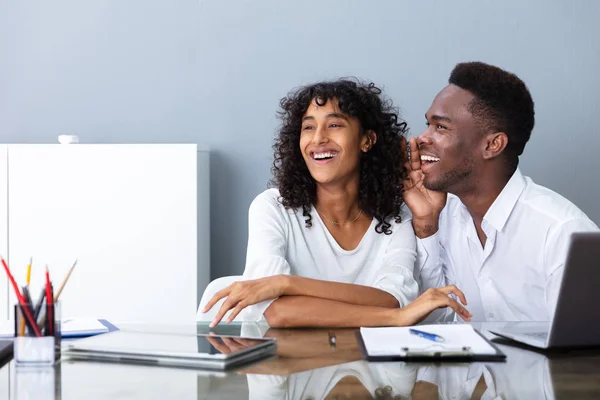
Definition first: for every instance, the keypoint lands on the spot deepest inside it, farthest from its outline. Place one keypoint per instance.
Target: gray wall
(212, 72)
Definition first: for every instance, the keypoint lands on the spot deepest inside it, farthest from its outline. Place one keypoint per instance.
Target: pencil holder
(37, 334)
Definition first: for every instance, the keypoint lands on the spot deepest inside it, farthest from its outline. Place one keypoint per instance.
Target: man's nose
(424, 138)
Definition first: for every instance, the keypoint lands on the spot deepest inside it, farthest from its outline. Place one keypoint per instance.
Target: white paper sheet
(393, 341)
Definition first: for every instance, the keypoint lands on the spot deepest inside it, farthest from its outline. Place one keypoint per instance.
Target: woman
(330, 246)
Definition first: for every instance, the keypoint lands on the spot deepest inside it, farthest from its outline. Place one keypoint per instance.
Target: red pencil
(21, 299)
(49, 305)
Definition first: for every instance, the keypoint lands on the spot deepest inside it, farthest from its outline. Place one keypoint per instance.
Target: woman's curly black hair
(381, 168)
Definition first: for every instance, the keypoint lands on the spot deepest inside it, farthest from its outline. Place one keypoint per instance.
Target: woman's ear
(369, 139)
(495, 144)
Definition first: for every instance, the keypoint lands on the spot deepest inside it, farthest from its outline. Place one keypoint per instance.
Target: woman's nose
(320, 136)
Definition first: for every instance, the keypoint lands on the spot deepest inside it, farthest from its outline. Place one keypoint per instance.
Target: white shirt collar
(500, 210)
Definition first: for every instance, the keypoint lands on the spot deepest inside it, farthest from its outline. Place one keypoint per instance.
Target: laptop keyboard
(537, 335)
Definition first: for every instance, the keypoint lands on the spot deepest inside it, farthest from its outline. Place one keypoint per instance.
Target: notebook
(460, 342)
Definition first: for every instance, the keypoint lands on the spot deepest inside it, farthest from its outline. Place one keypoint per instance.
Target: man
(481, 224)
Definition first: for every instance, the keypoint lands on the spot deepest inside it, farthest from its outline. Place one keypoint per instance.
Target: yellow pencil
(28, 280)
(29, 271)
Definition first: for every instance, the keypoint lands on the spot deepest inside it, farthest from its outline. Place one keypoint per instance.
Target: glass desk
(308, 367)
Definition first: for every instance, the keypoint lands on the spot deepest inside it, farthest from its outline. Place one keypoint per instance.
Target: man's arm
(431, 273)
(425, 226)
(426, 207)
(430, 263)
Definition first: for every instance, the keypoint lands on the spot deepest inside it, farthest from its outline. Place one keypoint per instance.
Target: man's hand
(243, 294)
(425, 205)
(432, 299)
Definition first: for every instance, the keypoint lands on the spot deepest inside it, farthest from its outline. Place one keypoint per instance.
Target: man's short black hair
(502, 103)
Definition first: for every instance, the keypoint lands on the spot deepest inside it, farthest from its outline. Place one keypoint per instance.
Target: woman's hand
(227, 345)
(245, 293)
(429, 301)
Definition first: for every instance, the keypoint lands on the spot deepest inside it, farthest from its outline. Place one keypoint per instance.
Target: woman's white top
(280, 243)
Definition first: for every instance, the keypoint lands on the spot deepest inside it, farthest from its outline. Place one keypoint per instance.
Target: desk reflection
(308, 367)
(40, 383)
(525, 375)
(354, 380)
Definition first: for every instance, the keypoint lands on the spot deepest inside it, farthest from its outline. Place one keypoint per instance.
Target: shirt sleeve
(267, 241)
(396, 276)
(431, 272)
(555, 255)
(429, 269)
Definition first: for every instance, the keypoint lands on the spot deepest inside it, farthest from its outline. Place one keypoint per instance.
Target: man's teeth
(319, 156)
(429, 158)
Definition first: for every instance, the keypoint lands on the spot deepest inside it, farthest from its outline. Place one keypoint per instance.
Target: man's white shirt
(516, 276)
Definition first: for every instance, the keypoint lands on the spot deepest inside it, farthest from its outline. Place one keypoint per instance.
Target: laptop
(216, 352)
(6, 351)
(576, 321)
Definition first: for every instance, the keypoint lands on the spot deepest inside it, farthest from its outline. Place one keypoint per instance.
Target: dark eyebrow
(332, 115)
(337, 115)
(438, 118)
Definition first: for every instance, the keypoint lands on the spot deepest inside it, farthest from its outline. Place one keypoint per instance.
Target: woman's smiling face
(331, 143)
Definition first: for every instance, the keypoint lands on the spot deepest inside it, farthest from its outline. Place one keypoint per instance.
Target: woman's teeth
(320, 156)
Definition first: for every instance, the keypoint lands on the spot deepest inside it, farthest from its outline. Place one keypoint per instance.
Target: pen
(27, 296)
(29, 306)
(332, 340)
(38, 307)
(426, 335)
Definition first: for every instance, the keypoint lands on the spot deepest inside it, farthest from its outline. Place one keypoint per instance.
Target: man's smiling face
(449, 145)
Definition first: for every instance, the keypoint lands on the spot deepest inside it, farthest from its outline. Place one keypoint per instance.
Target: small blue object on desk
(84, 328)
(70, 328)
(426, 335)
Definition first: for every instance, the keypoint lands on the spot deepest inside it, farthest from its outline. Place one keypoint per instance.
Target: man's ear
(495, 143)
(368, 141)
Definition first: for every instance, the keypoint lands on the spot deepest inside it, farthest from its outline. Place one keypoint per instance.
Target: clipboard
(435, 352)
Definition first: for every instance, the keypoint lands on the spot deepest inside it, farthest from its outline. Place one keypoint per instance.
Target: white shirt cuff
(428, 253)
